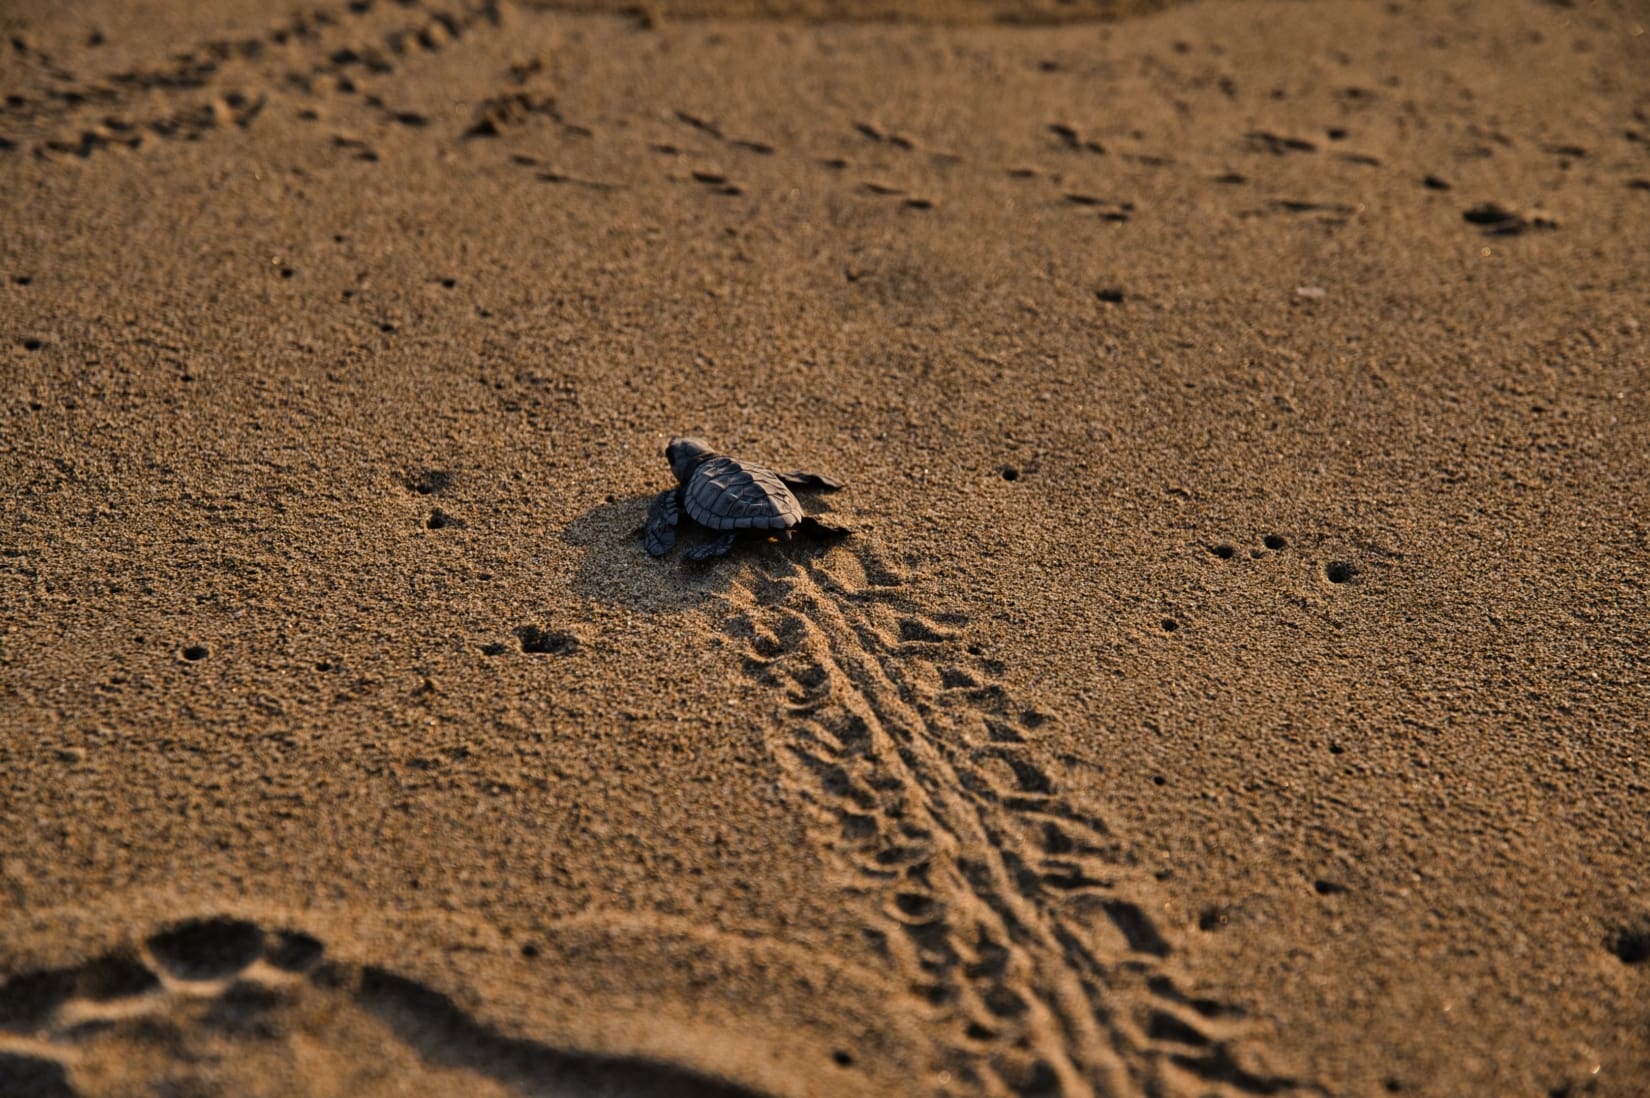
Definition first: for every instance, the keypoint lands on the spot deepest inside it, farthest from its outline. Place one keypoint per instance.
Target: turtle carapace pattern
(728, 496)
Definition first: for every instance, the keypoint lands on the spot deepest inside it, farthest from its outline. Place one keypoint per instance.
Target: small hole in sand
(1010, 473)
(1170, 625)
(1327, 888)
(448, 283)
(1273, 541)
(22, 280)
(1158, 779)
(842, 1058)
(196, 652)
(430, 481)
(287, 272)
(1224, 551)
(1339, 571)
(546, 642)
(1631, 945)
(30, 343)
(914, 904)
(529, 950)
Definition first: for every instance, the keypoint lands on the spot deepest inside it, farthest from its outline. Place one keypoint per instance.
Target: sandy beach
(1235, 681)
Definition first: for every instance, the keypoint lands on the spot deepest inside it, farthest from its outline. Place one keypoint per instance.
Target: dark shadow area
(294, 951)
(444, 1034)
(547, 642)
(29, 999)
(1631, 943)
(207, 949)
(31, 1077)
(617, 571)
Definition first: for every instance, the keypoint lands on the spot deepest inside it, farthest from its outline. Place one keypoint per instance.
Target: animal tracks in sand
(351, 70)
(243, 1006)
(1014, 914)
(212, 991)
(316, 57)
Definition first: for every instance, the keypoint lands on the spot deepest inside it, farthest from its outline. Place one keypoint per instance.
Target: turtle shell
(725, 494)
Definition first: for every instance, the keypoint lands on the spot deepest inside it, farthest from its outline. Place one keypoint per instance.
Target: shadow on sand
(444, 1034)
(617, 571)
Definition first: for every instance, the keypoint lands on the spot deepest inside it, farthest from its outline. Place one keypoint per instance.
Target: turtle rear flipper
(662, 517)
(810, 482)
(714, 548)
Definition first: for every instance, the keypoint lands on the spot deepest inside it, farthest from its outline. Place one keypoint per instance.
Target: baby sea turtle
(727, 495)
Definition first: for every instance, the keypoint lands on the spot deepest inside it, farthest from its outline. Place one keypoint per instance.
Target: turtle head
(686, 455)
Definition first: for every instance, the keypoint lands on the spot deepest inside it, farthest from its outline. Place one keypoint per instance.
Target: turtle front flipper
(810, 482)
(716, 548)
(662, 516)
(821, 531)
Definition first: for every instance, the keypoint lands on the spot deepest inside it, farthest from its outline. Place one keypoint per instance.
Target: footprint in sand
(222, 1006)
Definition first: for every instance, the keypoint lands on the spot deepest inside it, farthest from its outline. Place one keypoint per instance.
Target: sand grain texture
(1235, 682)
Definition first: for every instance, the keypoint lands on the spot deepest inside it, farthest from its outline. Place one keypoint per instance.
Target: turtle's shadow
(616, 570)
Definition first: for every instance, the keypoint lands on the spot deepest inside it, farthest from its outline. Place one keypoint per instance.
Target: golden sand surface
(1236, 681)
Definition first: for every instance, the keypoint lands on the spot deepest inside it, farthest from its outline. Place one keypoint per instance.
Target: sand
(1235, 682)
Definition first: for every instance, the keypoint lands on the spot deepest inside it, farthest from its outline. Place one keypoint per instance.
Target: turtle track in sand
(1013, 913)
